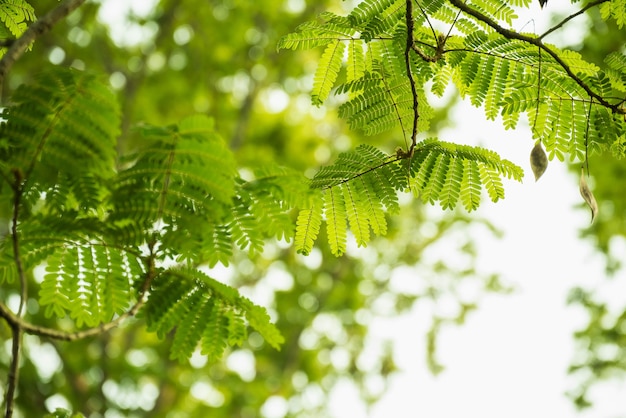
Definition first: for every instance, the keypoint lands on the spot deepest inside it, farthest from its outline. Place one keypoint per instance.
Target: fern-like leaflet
(203, 312)
(507, 73)
(14, 15)
(101, 228)
(362, 185)
(73, 130)
(90, 282)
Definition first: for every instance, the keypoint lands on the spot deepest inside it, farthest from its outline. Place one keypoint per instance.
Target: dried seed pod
(542, 3)
(538, 160)
(586, 193)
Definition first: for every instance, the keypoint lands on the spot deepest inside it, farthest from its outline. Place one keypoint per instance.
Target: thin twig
(16, 322)
(587, 136)
(33, 329)
(17, 203)
(14, 369)
(432, 29)
(509, 34)
(572, 16)
(401, 156)
(452, 26)
(5, 43)
(538, 91)
(388, 90)
(16, 330)
(41, 26)
(409, 73)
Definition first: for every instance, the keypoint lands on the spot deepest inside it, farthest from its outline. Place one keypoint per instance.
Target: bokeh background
(515, 310)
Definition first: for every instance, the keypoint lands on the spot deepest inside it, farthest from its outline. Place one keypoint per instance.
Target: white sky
(510, 358)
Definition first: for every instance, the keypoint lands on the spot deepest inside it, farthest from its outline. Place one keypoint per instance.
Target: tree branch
(33, 329)
(409, 73)
(509, 34)
(41, 26)
(5, 43)
(14, 369)
(572, 16)
(15, 321)
(16, 330)
(17, 202)
(401, 155)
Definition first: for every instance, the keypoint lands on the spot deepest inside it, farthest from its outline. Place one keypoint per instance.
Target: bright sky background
(511, 356)
(510, 359)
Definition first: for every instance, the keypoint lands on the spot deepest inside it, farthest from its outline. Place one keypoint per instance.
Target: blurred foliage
(166, 60)
(601, 342)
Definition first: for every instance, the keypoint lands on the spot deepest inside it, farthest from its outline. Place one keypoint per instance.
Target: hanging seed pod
(538, 160)
(586, 193)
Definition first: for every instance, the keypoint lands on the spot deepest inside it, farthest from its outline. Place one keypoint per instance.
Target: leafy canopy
(105, 227)
(119, 232)
(394, 55)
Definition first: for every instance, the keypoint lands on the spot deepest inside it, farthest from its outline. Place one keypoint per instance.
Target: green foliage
(603, 332)
(327, 71)
(570, 103)
(505, 72)
(89, 281)
(362, 185)
(445, 172)
(200, 311)
(65, 122)
(380, 95)
(182, 173)
(614, 10)
(102, 220)
(14, 14)
(100, 224)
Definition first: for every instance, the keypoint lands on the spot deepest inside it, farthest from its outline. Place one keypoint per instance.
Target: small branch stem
(16, 329)
(17, 259)
(402, 156)
(14, 369)
(538, 91)
(409, 73)
(38, 28)
(533, 40)
(16, 322)
(572, 16)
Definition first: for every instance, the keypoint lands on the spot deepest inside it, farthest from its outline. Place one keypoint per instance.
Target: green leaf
(616, 10)
(89, 281)
(445, 172)
(357, 214)
(14, 14)
(327, 72)
(200, 311)
(335, 211)
(308, 228)
(64, 122)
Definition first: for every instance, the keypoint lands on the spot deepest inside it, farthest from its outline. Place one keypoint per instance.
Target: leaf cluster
(113, 232)
(363, 185)
(14, 15)
(573, 106)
